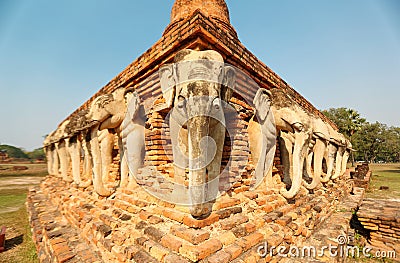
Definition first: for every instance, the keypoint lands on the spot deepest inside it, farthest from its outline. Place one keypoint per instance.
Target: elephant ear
(133, 101)
(168, 83)
(262, 104)
(228, 83)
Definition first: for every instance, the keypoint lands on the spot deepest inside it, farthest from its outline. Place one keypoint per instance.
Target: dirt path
(19, 182)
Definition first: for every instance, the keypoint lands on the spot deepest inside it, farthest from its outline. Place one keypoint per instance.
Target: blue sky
(55, 54)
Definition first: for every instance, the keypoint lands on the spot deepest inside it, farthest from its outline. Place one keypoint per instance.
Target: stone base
(76, 225)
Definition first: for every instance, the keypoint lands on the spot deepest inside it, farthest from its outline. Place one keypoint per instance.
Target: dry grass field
(385, 175)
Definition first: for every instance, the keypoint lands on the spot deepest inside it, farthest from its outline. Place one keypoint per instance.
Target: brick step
(57, 236)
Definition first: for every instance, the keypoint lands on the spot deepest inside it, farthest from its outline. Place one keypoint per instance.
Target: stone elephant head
(108, 109)
(108, 112)
(61, 145)
(262, 136)
(196, 86)
(334, 155)
(317, 152)
(132, 138)
(294, 126)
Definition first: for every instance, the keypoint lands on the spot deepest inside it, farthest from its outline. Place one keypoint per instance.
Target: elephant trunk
(87, 162)
(345, 159)
(338, 167)
(49, 157)
(98, 164)
(330, 161)
(198, 128)
(300, 145)
(64, 160)
(56, 163)
(318, 153)
(74, 148)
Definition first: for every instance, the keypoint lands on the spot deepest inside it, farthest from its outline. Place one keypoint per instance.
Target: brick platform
(75, 225)
(382, 219)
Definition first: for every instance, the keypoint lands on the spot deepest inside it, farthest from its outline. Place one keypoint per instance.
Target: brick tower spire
(215, 10)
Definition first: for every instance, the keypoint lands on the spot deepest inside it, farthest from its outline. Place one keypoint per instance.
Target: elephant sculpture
(62, 152)
(346, 156)
(49, 150)
(331, 146)
(294, 127)
(317, 152)
(342, 156)
(76, 143)
(132, 138)
(52, 155)
(196, 86)
(73, 146)
(334, 155)
(87, 160)
(262, 137)
(109, 112)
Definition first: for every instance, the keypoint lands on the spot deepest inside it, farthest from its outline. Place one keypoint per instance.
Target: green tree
(391, 146)
(371, 141)
(37, 154)
(14, 152)
(348, 121)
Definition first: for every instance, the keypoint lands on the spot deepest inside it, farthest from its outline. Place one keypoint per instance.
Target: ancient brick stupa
(194, 153)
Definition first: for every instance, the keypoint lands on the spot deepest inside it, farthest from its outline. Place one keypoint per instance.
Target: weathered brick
(250, 195)
(141, 225)
(235, 220)
(274, 240)
(158, 252)
(227, 238)
(141, 240)
(192, 235)
(174, 215)
(198, 252)
(219, 257)
(249, 241)
(105, 230)
(144, 215)
(239, 231)
(268, 208)
(130, 251)
(191, 222)
(228, 212)
(154, 233)
(227, 202)
(172, 258)
(283, 221)
(118, 237)
(155, 220)
(171, 242)
(143, 257)
(108, 244)
(118, 252)
(234, 251)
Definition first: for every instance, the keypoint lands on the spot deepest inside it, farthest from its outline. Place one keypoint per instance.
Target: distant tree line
(18, 153)
(373, 142)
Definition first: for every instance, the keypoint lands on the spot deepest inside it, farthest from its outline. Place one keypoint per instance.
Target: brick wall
(381, 218)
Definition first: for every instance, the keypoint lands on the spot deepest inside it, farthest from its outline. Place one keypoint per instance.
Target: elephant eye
(216, 103)
(181, 102)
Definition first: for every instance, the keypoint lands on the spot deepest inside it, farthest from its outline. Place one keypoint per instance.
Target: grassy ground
(384, 175)
(13, 214)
